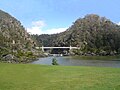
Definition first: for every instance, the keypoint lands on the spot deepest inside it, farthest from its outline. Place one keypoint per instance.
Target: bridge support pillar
(70, 47)
(43, 48)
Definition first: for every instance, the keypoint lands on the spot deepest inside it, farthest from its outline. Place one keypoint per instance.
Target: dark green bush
(54, 61)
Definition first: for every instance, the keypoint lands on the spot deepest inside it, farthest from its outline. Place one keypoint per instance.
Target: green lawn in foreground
(40, 77)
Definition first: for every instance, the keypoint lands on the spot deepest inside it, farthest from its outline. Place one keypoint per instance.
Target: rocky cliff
(15, 43)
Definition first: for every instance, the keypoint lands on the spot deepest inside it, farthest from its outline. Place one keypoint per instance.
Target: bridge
(57, 48)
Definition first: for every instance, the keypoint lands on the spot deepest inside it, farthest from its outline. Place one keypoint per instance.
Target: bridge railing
(55, 47)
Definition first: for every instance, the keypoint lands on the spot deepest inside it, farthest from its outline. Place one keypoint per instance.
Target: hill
(93, 34)
(16, 45)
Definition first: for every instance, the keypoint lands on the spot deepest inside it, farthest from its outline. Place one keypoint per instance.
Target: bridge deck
(59, 47)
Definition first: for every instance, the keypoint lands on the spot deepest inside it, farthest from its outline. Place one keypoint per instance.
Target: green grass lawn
(41, 77)
(96, 57)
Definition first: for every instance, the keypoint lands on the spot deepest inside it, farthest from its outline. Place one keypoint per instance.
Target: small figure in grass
(54, 61)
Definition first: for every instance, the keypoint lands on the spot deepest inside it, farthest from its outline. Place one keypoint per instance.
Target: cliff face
(13, 37)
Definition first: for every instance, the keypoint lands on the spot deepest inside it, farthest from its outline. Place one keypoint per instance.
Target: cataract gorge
(92, 35)
(86, 56)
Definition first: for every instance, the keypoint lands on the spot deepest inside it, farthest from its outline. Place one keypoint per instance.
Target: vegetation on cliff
(93, 34)
(16, 44)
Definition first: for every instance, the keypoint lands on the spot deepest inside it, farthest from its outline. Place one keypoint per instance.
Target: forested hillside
(16, 45)
(94, 35)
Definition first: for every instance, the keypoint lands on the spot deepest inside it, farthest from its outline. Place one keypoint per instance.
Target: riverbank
(116, 57)
(43, 77)
(21, 56)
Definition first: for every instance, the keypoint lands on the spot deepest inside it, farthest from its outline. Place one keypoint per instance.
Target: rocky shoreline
(21, 57)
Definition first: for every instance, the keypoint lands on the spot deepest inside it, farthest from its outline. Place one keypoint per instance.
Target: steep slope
(14, 40)
(93, 34)
(45, 39)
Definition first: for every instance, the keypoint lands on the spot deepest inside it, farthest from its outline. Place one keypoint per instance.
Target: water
(106, 61)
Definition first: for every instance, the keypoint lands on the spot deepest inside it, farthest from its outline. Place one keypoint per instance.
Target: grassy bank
(39, 77)
(117, 57)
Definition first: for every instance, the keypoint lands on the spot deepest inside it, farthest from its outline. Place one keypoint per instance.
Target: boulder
(9, 58)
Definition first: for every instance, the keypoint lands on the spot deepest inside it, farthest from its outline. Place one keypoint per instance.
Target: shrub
(54, 61)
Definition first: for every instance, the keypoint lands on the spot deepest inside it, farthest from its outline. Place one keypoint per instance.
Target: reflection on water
(82, 61)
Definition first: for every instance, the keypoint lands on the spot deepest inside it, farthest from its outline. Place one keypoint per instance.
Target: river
(100, 61)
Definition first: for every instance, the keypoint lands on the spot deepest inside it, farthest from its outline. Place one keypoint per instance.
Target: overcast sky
(53, 16)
